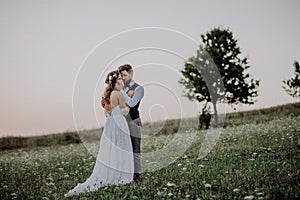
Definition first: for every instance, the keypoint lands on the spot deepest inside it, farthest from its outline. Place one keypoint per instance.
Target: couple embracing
(118, 160)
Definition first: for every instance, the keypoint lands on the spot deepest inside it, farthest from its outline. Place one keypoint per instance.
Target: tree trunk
(216, 113)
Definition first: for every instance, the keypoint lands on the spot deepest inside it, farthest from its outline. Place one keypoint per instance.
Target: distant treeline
(168, 127)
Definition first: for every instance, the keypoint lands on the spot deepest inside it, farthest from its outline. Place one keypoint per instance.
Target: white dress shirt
(137, 96)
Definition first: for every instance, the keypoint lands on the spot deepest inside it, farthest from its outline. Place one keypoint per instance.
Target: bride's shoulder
(116, 94)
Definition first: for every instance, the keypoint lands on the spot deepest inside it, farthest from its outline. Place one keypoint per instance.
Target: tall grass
(250, 161)
(155, 128)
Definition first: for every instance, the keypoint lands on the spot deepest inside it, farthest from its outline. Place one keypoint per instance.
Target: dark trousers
(135, 135)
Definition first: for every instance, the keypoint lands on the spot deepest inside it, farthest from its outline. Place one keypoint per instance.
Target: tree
(217, 74)
(292, 85)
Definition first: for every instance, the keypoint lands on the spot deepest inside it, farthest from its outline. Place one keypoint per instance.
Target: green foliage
(9, 143)
(292, 85)
(228, 82)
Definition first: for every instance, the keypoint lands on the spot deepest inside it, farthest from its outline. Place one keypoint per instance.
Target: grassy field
(155, 128)
(256, 157)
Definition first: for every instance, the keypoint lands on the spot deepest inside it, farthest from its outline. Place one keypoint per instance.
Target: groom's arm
(138, 95)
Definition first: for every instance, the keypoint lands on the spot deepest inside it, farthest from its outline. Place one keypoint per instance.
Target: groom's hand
(107, 113)
(130, 93)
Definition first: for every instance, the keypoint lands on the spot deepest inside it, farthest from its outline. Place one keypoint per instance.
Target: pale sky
(48, 48)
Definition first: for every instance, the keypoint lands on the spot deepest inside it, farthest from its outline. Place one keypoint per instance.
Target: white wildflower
(249, 197)
(170, 184)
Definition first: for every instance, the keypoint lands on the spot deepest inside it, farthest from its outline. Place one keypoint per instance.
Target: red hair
(110, 80)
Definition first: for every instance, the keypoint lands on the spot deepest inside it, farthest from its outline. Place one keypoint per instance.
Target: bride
(114, 164)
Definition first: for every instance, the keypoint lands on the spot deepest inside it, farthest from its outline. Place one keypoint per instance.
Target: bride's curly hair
(110, 80)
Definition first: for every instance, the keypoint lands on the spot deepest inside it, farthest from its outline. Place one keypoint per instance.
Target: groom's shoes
(137, 177)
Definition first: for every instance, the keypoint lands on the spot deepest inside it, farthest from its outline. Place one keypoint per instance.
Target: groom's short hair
(125, 67)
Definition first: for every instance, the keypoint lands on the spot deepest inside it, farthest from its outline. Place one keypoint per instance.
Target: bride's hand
(130, 93)
(125, 111)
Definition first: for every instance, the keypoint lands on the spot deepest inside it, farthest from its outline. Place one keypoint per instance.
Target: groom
(133, 119)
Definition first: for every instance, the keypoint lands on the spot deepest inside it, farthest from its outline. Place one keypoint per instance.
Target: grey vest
(134, 112)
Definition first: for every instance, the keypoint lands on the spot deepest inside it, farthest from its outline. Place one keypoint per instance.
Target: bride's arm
(117, 98)
(121, 99)
(122, 104)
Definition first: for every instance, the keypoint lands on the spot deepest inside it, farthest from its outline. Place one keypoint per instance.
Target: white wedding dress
(114, 164)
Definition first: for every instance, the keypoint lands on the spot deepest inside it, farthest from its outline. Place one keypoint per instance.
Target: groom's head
(126, 72)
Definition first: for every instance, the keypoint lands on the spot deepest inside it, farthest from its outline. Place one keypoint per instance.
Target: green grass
(258, 157)
(155, 128)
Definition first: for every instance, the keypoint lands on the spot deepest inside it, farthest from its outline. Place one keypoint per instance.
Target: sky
(54, 56)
